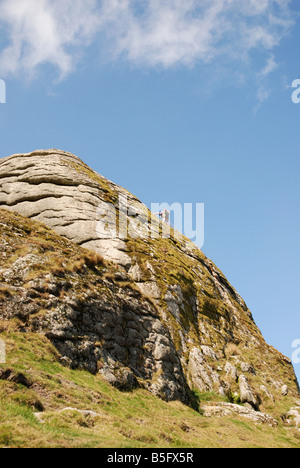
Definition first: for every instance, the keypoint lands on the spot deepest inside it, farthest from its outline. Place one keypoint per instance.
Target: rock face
(58, 189)
(156, 312)
(97, 320)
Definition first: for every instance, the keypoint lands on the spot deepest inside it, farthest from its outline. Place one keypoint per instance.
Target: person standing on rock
(164, 216)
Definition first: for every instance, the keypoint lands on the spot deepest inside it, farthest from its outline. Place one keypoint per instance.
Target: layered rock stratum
(142, 308)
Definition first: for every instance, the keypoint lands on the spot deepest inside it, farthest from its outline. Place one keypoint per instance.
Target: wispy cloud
(45, 31)
(270, 66)
(147, 33)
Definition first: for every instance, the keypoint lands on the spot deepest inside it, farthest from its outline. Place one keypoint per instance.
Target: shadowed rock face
(97, 319)
(187, 328)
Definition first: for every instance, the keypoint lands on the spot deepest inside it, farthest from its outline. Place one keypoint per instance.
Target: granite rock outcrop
(117, 296)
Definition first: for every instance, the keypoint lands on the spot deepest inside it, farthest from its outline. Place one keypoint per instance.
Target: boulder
(246, 393)
(221, 409)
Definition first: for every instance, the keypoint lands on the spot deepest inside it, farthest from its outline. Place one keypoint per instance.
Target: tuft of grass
(232, 350)
(5, 292)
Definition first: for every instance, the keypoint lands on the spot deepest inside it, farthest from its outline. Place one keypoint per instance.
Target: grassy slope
(136, 419)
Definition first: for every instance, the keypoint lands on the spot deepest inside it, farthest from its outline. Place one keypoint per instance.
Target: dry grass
(232, 350)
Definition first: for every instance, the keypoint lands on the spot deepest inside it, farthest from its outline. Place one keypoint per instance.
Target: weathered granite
(162, 316)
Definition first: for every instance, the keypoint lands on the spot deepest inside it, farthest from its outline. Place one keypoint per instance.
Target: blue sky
(182, 101)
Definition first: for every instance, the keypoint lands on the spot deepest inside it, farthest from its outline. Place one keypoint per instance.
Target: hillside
(121, 328)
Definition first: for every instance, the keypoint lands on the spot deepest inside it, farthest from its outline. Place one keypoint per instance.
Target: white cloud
(270, 66)
(263, 83)
(43, 31)
(147, 33)
(167, 33)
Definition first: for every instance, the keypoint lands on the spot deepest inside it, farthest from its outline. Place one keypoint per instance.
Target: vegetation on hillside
(54, 406)
(45, 403)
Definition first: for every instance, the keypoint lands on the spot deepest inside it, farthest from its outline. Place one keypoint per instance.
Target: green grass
(122, 419)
